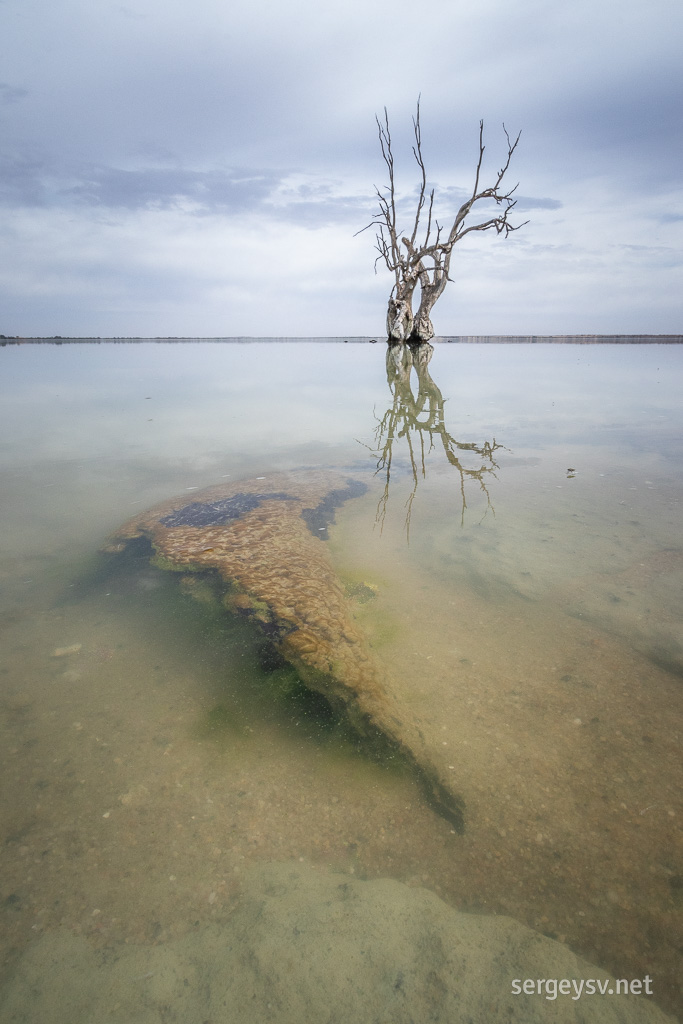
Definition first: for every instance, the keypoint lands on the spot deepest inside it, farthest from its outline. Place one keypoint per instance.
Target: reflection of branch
(420, 419)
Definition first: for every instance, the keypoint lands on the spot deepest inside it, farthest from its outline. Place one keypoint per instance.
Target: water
(517, 567)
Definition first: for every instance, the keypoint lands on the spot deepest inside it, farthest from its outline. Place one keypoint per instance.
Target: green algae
(168, 565)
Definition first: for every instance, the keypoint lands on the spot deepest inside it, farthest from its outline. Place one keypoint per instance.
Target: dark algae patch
(319, 518)
(216, 513)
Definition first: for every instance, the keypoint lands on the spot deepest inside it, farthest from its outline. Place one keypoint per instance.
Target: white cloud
(202, 169)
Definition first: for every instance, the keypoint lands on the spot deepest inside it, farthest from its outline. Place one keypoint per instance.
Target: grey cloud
(11, 94)
(21, 182)
(353, 210)
(25, 182)
(216, 110)
(629, 126)
(163, 188)
(531, 203)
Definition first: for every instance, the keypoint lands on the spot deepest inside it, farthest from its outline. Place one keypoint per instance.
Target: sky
(201, 168)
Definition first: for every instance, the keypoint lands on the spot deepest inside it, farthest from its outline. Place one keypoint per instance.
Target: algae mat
(264, 541)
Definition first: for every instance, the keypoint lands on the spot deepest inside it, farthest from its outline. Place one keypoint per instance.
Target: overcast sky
(199, 167)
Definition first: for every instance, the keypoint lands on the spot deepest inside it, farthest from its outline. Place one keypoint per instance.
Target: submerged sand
(131, 825)
(307, 946)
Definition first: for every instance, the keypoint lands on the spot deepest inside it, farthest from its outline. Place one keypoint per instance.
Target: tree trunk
(423, 329)
(399, 319)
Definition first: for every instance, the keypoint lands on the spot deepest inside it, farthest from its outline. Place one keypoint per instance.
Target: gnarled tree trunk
(399, 319)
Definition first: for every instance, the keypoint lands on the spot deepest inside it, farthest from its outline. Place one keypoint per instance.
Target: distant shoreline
(463, 339)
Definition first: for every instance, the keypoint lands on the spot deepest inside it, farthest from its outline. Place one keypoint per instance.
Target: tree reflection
(420, 420)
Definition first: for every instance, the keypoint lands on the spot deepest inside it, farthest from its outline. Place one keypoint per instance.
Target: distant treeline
(566, 339)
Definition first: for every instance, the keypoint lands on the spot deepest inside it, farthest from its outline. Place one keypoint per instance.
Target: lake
(515, 563)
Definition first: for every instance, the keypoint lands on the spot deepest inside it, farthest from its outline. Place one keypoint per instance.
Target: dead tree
(423, 258)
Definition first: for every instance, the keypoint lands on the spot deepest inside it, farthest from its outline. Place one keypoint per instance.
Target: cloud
(21, 182)
(10, 94)
(530, 203)
(147, 147)
(282, 196)
(164, 188)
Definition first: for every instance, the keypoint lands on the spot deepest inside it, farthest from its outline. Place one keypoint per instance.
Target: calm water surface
(521, 539)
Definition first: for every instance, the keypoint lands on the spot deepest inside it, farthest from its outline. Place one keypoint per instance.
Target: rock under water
(264, 539)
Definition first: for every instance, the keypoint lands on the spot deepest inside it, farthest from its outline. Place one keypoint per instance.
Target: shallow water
(520, 548)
